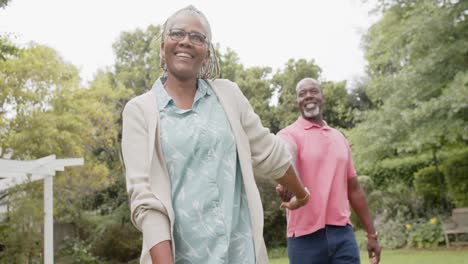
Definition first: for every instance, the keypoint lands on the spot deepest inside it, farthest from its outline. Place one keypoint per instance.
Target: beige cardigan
(148, 183)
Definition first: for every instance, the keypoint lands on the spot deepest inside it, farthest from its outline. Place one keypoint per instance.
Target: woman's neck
(182, 91)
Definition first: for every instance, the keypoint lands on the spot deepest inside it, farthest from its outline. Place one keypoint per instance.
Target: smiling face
(183, 58)
(309, 99)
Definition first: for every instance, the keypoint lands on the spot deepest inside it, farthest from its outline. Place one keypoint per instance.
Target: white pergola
(14, 172)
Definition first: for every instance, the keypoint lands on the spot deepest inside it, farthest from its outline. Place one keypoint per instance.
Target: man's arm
(358, 201)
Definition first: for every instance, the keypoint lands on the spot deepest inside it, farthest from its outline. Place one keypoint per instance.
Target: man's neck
(316, 120)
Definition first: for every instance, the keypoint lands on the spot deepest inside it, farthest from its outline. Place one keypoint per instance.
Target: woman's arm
(161, 253)
(148, 214)
(294, 185)
(270, 156)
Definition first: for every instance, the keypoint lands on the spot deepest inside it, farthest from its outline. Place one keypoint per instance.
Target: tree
(415, 54)
(44, 111)
(284, 82)
(27, 82)
(335, 110)
(4, 3)
(6, 47)
(137, 58)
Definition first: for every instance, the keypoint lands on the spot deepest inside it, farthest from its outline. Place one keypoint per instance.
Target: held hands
(289, 201)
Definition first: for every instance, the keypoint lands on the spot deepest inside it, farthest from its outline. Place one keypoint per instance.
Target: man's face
(309, 99)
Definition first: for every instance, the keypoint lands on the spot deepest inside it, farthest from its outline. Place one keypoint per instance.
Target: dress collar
(164, 99)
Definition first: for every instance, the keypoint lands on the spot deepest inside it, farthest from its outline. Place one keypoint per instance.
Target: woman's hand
(289, 201)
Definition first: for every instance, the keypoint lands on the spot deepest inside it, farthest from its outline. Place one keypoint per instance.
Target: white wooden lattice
(14, 172)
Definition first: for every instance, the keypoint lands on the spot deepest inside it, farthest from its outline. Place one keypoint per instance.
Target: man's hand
(289, 201)
(373, 249)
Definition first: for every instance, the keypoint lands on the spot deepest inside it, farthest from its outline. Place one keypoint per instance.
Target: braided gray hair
(211, 69)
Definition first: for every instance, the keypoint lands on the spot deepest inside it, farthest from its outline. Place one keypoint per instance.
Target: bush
(118, 242)
(426, 184)
(274, 228)
(425, 234)
(76, 251)
(456, 176)
(397, 170)
(393, 234)
(368, 186)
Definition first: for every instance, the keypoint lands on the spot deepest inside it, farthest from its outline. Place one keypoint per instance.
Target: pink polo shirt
(324, 164)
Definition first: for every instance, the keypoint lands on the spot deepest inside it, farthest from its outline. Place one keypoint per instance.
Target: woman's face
(185, 48)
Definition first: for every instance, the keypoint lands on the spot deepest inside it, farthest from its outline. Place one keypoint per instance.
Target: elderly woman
(191, 148)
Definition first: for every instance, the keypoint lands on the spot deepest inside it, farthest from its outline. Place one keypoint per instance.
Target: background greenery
(406, 120)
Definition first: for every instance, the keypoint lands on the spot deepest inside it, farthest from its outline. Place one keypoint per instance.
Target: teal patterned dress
(212, 220)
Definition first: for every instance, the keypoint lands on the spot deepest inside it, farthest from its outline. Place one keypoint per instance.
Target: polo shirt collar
(306, 125)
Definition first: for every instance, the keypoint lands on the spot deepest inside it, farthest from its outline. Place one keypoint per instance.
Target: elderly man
(321, 231)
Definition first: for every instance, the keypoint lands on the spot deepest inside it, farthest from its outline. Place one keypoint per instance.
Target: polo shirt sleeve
(291, 146)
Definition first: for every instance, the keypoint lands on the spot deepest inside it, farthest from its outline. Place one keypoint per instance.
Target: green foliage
(393, 234)
(284, 82)
(4, 3)
(417, 80)
(24, 220)
(398, 202)
(425, 234)
(118, 242)
(76, 251)
(7, 49)
(43, 111)
(369, 189)
(395, 170)
(429, 183)
(456, 176)
(137, 58)
(256, 87)
(274, 228)
(277, 252)
(335, 105)
(229, 64)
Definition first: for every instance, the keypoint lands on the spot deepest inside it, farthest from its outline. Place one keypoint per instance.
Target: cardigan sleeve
(269, 155)
(148, 214)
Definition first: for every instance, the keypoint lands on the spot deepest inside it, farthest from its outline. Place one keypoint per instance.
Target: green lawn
(408, 256)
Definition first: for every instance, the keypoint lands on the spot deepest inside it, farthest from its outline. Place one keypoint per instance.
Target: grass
(454, 255)
(409, 256)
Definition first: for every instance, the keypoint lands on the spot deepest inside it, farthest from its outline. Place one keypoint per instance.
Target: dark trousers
(330, 245)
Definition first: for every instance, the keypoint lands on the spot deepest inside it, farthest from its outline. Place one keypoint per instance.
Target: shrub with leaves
(393, 234)
(77, 251)
(456, 175)
(429, 184)
(425, 234)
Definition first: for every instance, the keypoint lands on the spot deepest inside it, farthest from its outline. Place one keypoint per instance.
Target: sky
(261, 32)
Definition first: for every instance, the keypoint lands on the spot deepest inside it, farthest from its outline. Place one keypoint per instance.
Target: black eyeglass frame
(193, 36)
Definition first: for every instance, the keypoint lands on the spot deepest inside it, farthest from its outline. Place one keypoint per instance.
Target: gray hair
(307, 80)
(211, 70)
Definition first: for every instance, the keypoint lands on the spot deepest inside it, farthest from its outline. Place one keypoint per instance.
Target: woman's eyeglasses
(196, 38)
